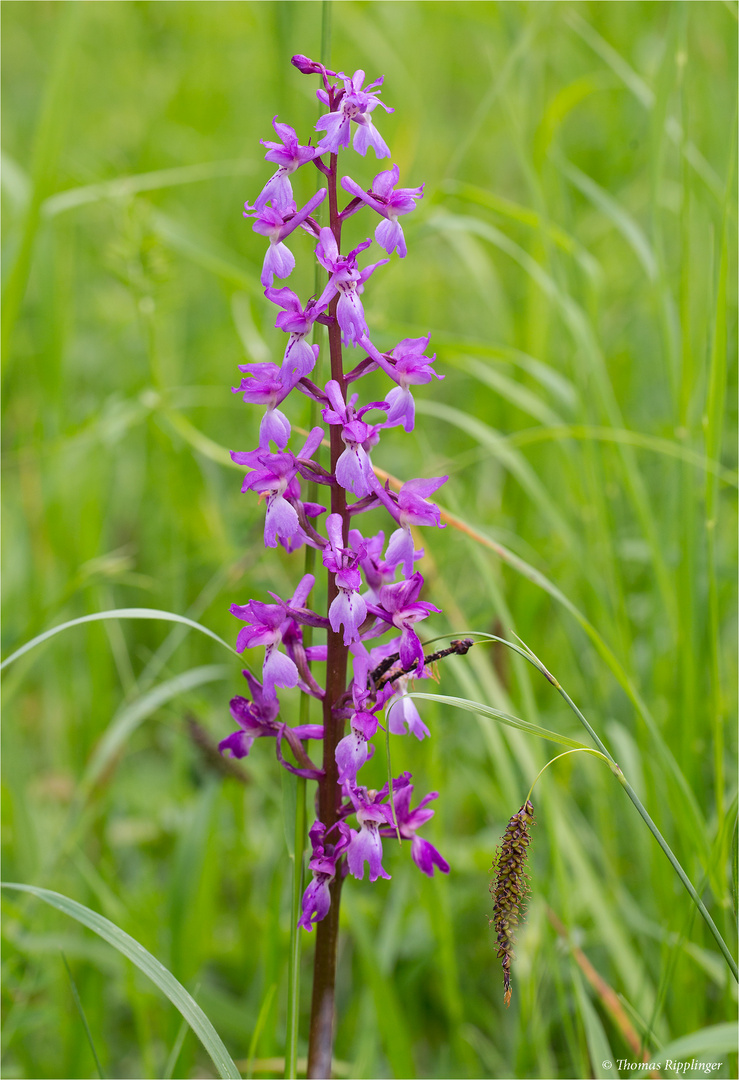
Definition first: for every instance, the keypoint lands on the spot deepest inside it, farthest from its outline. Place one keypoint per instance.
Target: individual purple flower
(365, 846)
(265, 624)
(424, 854)
(275, 476)
(409, 507)
(407, 365)
(348, 608)
(378, 571)
(256, 718)
(268, 385)
(288, 155)
(390, 204)
(270, 222)
(346, 280)
(401, 711)
(353, 469)
(317, 897)
(401, 603)
(356, 104)
(297, 321)
(353, 750)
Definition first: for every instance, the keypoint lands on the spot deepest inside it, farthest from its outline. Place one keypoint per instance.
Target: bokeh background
(574, 260)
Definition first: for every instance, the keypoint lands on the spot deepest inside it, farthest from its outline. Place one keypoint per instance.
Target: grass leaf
(150, 966)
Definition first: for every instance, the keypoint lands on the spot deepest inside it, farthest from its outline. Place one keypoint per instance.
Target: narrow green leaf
(261, 1020)
(83, 1018)
(510, 459)
(630, 438)
(645, 95)
(503, 718)
(204, 253)
(150, 966)
(125, 722)
(614, 211)
(717, 1040)
(115, 613)
(601, 1055)
(124, 187)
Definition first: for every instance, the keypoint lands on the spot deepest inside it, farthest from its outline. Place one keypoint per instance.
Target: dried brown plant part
(509, 888)
(607, 995)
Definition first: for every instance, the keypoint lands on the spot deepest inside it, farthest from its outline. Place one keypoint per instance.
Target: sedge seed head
(509, 888)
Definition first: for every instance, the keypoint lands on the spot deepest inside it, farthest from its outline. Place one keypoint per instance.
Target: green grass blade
(125, 722)
(115, 613)
(510, 389)
(639, 439)
(514, 462)
(526, 216)
(646, 96)
(712, 1041)
(261, 1021)
(297, 844)
(83, 1018)
(641, 809)
(601, 1055)
(532, 574)
(47, 147)
(150, 966)
(501, 717)
(200, 442)
(713, 423)
(204, 253)
(614, 211)
(124, 187)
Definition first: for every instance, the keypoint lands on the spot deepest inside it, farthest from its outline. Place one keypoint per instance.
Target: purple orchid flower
(256, 719)
(275, 476)
(407, 365)
(265, 625)
(317, 897)
(366, 845)
(270, 222)
(409, 507)
(267, 385)
(354, 467)
(348, 282)
(356, 104)
(354, 749)
(297, 321)
(288, 155)
(401, 603)
(424, 854)
(377, 571)
(401, 711)
(348, 608)
(390, 204)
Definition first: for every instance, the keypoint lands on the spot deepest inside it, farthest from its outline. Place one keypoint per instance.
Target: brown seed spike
(509, 889)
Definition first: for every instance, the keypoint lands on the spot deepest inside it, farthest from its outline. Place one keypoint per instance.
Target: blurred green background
(574, 259)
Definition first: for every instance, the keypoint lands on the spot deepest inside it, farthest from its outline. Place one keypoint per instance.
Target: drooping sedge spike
(509, 888)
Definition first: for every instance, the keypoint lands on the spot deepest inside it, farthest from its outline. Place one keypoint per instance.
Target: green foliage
(573, 258)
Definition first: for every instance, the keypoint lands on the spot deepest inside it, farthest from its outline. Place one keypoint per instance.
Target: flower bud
(306, 65)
